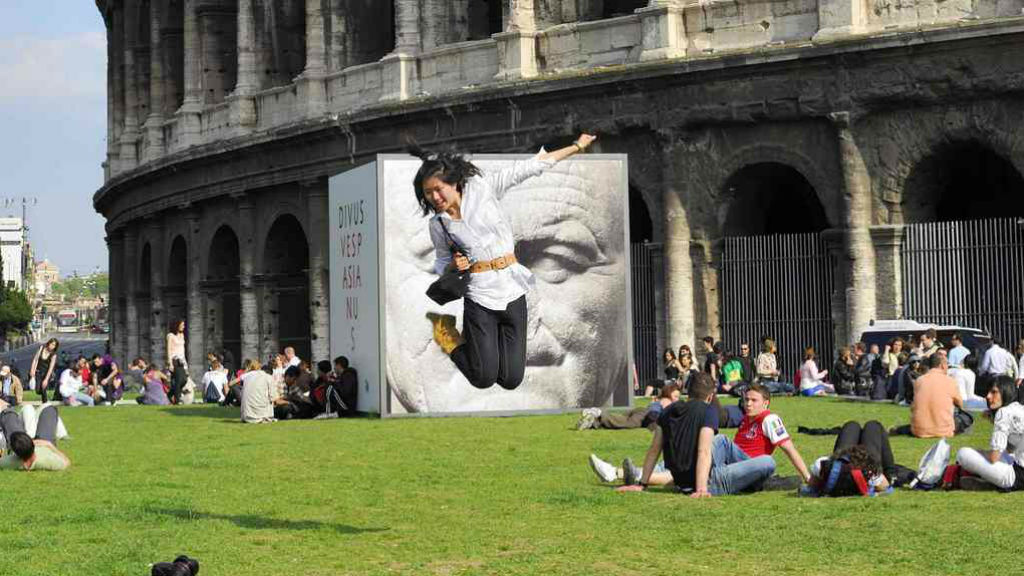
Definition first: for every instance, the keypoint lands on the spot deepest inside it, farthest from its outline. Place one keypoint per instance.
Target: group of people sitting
(732, 372)
(284, 389)
(71, 381)
(700, 461)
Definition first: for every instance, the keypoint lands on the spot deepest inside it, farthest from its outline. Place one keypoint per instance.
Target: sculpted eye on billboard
(569, 225)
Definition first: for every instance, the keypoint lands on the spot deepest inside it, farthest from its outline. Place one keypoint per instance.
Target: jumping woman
(469, 232)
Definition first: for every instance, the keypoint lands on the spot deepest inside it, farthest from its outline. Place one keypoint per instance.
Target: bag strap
(452, 244)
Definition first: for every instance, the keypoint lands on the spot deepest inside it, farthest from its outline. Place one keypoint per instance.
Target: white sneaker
(604, 470)
(588, 418)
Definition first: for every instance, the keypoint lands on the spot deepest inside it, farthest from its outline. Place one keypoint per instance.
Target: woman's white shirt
(809, 375)
(1008, 431)
(484, 234)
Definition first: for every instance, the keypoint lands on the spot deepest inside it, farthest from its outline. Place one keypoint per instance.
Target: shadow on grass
(225, 414)
(254, 522)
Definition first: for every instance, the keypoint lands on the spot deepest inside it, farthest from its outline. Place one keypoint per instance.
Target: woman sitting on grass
(844, 378)
(812, 382)
(1000, 466)
(154, 392)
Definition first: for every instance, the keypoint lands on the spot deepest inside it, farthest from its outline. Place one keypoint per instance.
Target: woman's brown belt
(499, 263)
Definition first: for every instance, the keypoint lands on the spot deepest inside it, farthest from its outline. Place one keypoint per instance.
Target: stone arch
(145, 271)
(361, 31)
(144, 299)
(486, 17)
(218, 43)
(641, 224)
(280, 40)
(139, 37)
(285, 291)
(176, 281)
(223, 293)
(897, 144)
(613, 8)
(963, 179)
(172, 40)
(771, 216)
(740, 183)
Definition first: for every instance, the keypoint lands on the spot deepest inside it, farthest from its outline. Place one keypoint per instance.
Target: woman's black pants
(494, 350)
(873, 437)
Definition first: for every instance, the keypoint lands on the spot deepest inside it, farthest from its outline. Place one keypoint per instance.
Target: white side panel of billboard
(355, 279)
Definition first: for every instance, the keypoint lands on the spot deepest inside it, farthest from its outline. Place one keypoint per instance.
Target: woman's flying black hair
(450, 167)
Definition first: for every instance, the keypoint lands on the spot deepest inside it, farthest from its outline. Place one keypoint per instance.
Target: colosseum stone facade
(742, 119)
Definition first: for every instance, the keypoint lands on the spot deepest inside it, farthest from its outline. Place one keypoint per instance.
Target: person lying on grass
(861, 464)
(759, 434)
(638, 417)
(1000, 466)
(700, 461)
(26, 453)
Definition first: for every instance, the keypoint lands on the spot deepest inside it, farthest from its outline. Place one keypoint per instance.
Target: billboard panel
(355, 279)
(570, 225)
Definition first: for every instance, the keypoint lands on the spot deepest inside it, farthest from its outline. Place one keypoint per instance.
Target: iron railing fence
(968, 273)
(645, 330)
(778, 286)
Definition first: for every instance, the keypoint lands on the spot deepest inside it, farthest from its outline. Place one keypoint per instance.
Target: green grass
(459, 496)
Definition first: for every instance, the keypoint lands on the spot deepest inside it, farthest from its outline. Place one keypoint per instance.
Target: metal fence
(969, 273)
(645, 329)
(778, 286)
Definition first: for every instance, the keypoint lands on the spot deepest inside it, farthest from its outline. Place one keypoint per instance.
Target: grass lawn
(454, 496)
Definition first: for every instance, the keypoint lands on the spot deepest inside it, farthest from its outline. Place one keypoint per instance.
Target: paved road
(73, 344)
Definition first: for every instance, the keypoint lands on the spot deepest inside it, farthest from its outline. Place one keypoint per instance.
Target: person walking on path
(41, 371)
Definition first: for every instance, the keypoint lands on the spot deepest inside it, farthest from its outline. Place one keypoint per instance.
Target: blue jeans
(82, 398)
(776, 387)
(732, 471)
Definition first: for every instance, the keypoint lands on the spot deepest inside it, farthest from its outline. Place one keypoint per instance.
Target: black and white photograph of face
(569, 226)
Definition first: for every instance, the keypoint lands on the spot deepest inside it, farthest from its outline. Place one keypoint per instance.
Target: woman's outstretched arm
(581, 144)
(502, 180)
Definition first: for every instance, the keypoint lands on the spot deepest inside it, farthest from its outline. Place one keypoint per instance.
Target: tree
(15, 311)
(92, 286)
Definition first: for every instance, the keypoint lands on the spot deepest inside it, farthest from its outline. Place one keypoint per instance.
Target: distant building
(46, 274)
(12, 250)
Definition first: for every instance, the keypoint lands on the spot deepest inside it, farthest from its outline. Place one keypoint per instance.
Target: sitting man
(347, 384)
(638, 417)
(759, 434)
(762, 431)
(935, 397)
(700, 461)
(26, 453)
(72, 389)
(11, 390)
(134, 377)
(295, 403)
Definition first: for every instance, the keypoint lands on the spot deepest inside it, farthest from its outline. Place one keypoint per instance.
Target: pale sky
(53, 60)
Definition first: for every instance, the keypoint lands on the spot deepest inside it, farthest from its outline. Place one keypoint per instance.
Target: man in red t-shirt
(761, 432)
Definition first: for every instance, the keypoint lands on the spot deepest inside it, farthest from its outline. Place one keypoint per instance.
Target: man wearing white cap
(11, 391)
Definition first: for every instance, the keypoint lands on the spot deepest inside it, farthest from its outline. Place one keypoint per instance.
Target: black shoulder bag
(453, 283)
